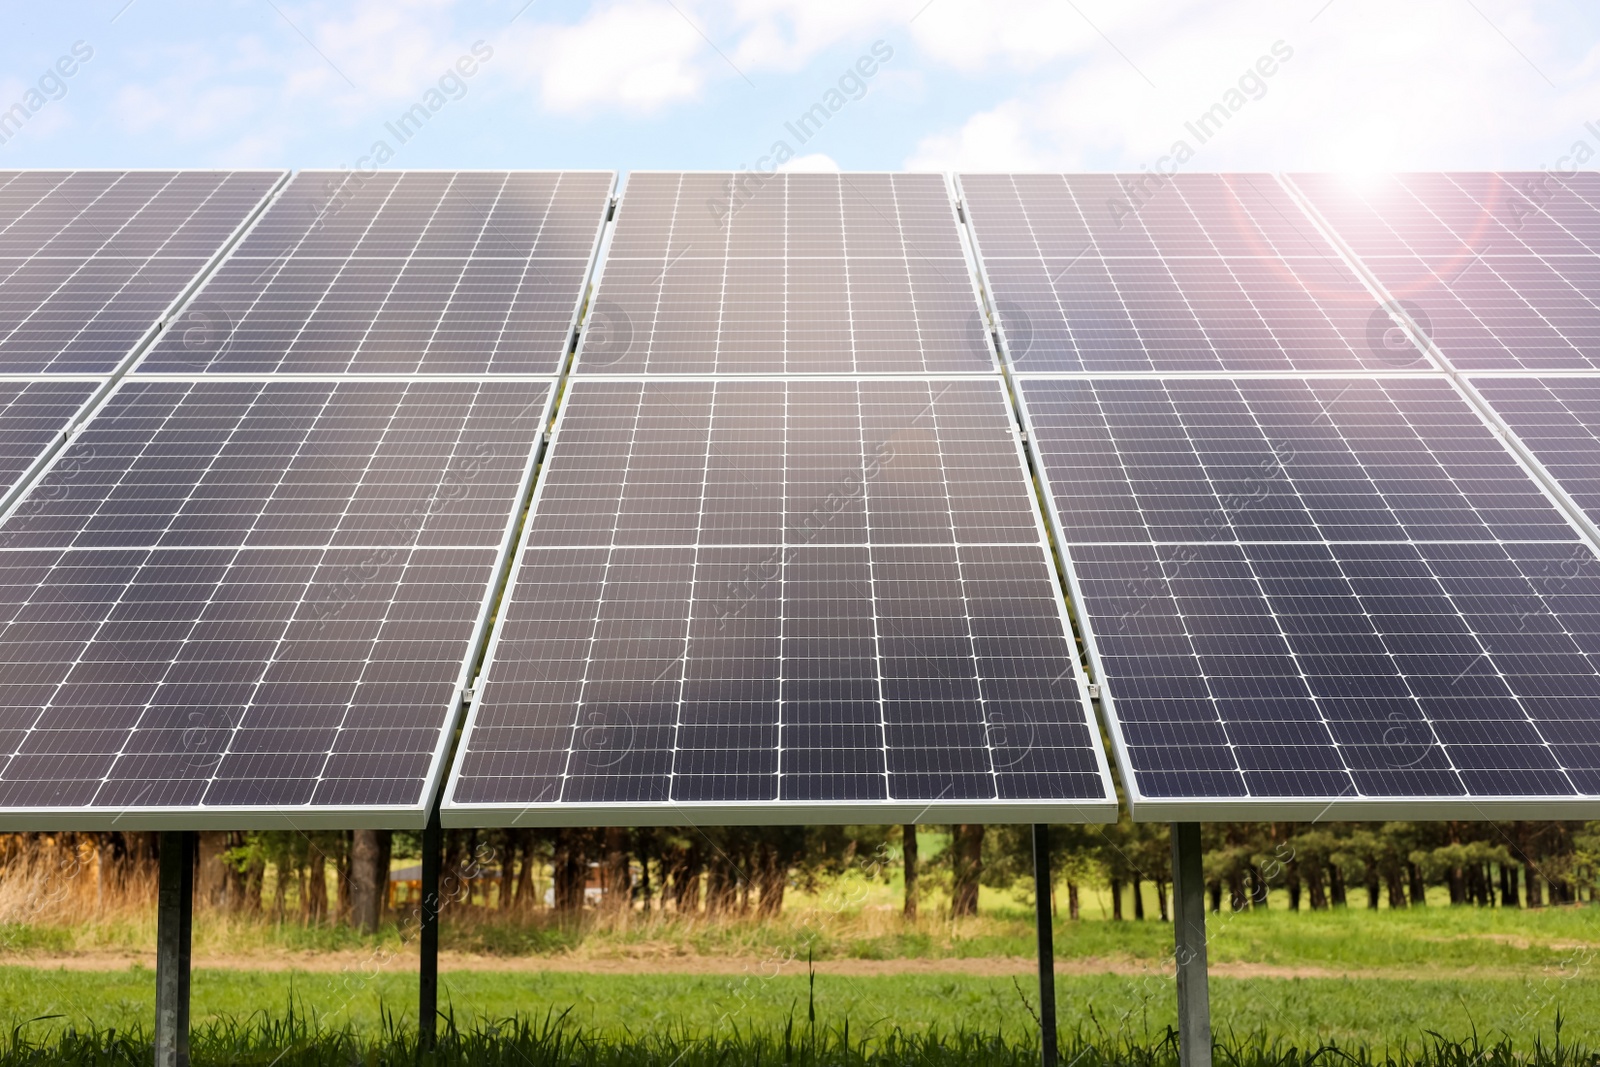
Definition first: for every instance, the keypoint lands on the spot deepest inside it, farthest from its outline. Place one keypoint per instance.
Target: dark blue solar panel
(1559, 421)
(1336, 592)
(1500, 270)
(793, 273)
(1203, 272)
(255, 599)
(749, 594)
(34, 417)
(411, 272)
(90, 260)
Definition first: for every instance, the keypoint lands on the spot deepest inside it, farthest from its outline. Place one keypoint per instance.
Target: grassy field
(556, 1041)
(1374, 979)
(1369, 1012)
(860, 919)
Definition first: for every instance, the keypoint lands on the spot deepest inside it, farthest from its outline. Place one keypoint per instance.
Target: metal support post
(174, 924)
(428, 964)
(1189, 930)
(1047, 956)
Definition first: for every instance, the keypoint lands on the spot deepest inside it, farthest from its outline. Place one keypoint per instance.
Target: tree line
(326, 877)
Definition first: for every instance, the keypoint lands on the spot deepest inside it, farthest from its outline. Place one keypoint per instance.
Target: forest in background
(344, 878)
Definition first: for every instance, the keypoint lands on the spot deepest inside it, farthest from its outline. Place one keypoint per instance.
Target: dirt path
(984, 967)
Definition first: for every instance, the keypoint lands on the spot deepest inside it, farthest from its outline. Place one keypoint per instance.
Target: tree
(618, 870)
(570, 869)
(369, 878)
(908, 857)
(966, 847)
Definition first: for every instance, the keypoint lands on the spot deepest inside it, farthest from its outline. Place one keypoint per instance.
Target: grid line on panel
(276, 267)
(1323, 648)
(548, 215)
(1205, 272)
(1411, 489)
(754, 595)
(82, 282)
(818, 274)
(294, 709)
(849, 295)
(393, 283)
(287, 463)
(1499, 271)
(1558, 421)
(419, 273)
(324, 657)
(35, 416)
(966, 613)
(879, 694)
(32, 227)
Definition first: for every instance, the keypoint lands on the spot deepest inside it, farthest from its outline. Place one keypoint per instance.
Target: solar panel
(1558, 419)
(413, 272)
(788, 273)
(1499, 270)
(34, 416)
(757, 600)
(90, 261)
(1197, 272)
(255, 603)
(1322, 598)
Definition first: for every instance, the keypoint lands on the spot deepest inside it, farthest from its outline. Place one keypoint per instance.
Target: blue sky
(1062, 84)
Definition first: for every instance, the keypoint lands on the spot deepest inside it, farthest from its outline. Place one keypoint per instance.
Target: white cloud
(643, 55)
(998, 139)
(1435, 89)
(813, 163)
(634, 56)
(391, 50)
(1020, 35)
(786, 35)
(986, 84)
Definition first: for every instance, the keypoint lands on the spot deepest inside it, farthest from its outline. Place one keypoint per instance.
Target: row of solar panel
(814, 595)
(472, 273)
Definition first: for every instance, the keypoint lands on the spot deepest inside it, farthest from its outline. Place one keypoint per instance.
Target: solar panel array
(788, 586)
(256, 600)
(1311, 577)
(783, 558)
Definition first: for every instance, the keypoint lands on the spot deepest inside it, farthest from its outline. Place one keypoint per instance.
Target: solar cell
(413, 272)
(790, 273)
(91, 260)
(236, 603)
(757, 600)
(1196, 272)
(1499, 270)
(1323, 598)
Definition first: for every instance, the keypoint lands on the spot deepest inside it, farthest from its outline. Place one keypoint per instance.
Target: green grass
(859, 917)
(1489, 940)
(802, 1040)
(1454, 971)
(1306, 1012)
